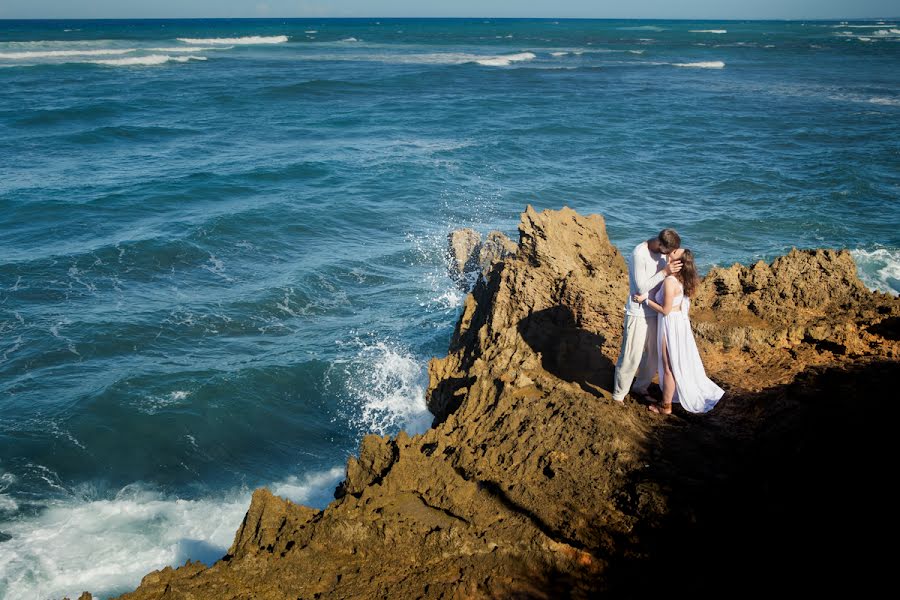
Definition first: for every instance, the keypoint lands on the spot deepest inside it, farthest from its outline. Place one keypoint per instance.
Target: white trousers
(638, 355)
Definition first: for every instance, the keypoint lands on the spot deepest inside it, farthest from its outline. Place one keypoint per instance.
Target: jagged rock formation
(532, 484)
(771, 321)
(469, 256)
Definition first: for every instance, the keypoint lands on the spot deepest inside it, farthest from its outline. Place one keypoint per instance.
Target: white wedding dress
(696, 392)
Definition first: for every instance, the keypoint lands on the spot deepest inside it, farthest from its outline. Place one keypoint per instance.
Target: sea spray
(385, 384)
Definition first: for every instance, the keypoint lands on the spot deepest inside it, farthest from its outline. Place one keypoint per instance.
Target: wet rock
(470, 258)
(462, 248)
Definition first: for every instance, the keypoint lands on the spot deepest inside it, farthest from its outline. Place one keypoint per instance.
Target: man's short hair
(669, 240)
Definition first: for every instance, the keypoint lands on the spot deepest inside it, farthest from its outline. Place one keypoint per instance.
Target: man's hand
(673, 267)
(639, 298)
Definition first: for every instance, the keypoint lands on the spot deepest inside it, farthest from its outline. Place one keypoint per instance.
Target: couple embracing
(658, 337)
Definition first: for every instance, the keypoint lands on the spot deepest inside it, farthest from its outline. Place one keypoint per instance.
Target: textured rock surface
(533, 484)
(462, 246)
(763, 324)
(469, 257)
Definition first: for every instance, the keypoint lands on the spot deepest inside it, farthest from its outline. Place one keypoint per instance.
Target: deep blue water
(222, 262)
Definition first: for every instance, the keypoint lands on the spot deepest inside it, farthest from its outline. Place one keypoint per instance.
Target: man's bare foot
(617, 401)
(661, 409)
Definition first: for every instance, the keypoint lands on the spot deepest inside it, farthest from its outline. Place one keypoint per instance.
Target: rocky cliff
(533, 484)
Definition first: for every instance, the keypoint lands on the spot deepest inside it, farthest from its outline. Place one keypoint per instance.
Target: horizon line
(269, 18)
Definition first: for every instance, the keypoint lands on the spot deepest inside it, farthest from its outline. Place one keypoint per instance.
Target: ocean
(222, 242)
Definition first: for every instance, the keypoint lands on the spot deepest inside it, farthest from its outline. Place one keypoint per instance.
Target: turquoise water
(222, 242)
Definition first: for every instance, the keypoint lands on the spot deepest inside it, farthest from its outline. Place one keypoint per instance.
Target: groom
(648, 267)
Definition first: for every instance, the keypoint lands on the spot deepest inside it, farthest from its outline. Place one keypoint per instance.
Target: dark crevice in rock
(495, 490)
(446, 511)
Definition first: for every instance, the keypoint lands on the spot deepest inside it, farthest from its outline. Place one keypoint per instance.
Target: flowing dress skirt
(695, 391)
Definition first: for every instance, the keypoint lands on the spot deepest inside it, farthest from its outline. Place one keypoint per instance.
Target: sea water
(222, 243)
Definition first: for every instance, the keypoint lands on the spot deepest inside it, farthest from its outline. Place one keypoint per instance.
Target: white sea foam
(7, 504)
(387, 386)
(505, 60)
(709, 31)
(636, 51)
(247, 40)
(432, 58)
(877, 26)
(879, 268)
(153, 59)
(885, 101)
(153, 404)
(311, 31)
(558, 53)
(350, 39)
(642, 28)
(107, 546)
(712, 64)
(300, 489)
(65, 53)
(188, 49)
(57, 43)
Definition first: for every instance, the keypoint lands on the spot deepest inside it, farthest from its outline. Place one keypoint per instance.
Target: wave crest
(246, 40)
(710, 64)
(505, 60)
(65, 53)
(138, 61)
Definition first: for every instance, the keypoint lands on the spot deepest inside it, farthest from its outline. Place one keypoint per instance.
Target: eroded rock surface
(533, 484)
(470, 258)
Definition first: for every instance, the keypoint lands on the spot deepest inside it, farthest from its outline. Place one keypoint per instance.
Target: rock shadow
(567, 350)
(791, 499)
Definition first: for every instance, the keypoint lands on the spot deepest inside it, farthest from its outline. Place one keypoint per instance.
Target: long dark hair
(688, 274)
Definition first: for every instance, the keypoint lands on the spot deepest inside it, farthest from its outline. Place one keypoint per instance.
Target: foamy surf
(879, 268)
(188, 49)
(107, 546)
(884, 101)
(718, 31)
(139, 61)
(65, 53)
(247, 40)
(505, 60)
(712, 64)
(433, 58)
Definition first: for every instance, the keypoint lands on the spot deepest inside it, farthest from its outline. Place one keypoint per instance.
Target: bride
(682, 377)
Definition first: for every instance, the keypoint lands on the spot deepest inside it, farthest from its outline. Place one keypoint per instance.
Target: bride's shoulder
(672, 282)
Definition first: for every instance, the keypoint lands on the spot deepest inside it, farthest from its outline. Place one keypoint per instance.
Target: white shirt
(646, 271)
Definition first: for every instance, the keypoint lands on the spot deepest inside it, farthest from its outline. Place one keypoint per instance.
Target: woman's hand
(639, 298)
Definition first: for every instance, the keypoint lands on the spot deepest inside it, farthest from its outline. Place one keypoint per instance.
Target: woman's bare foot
(660, 408)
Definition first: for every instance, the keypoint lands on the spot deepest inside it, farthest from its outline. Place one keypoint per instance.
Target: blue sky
(653, 9)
